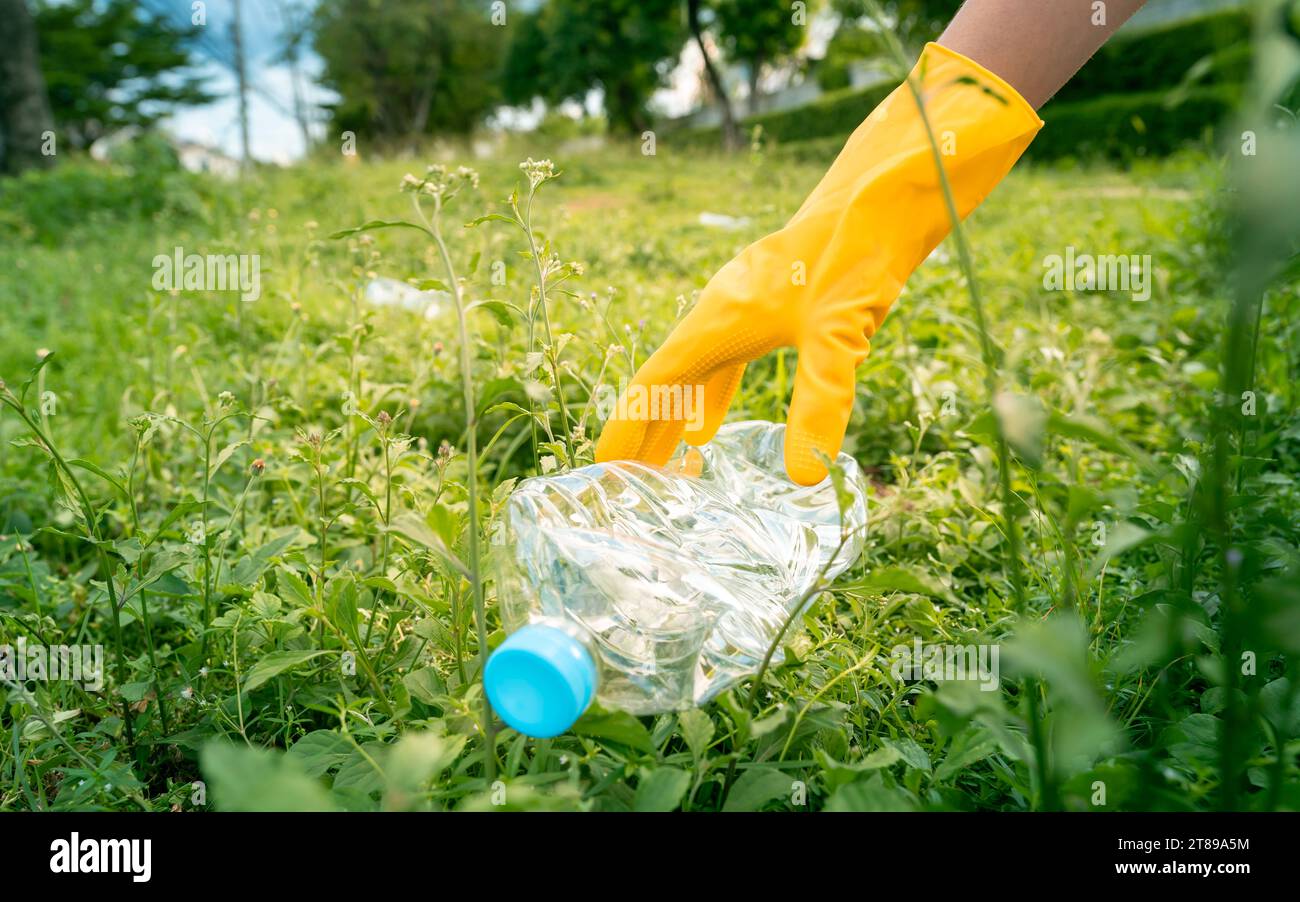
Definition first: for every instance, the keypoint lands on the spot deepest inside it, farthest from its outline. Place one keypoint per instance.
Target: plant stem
(818, 585)
(207, 552)
(546, 324)
(320, 517)
(105, 563)
(471, 460)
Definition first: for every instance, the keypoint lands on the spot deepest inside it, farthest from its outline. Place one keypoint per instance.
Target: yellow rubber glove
(825, 281)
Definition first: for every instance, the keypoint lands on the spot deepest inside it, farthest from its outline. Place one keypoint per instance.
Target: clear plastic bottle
(654, 589)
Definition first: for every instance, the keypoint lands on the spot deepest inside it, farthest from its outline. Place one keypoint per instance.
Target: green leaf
(506, 314)
(661, 790)
(970, 746)
(1280, 705)
(837, 774)
(697, 730)
(425, 685)
(490, 217)
(341, 609)
(265, 605)
(127, 549)
(378, 224)
(414, 529)
(178, 511)
(756, 787)
(1094, 431)
(1276, 621)
(102, 474)
(364, 488)
(224, 455)
(771, 723)
(35, 728)
(616, 726)
(319, 751)
(870, 794)
(1124, 537)
(363, 773)
(987, 89)
(251, 779)
(1024, 425)
(251, 567)
(445, 522)
(418, 758)
(901, 579)
(276, 663)
(910, 751)
(293, 588)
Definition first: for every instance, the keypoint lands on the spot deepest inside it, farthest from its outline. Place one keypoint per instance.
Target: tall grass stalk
(433, 226)
(1011, 531)
(551, 353)
(145, 621)
(1264, 227)
(107, 569)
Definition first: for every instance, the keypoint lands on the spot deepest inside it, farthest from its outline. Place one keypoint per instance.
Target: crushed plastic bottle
(654, 589)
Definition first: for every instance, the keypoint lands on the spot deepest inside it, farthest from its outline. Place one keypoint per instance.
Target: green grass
(245, 591)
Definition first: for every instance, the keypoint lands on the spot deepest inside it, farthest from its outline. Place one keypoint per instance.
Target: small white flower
(469, 175)
(537, 171)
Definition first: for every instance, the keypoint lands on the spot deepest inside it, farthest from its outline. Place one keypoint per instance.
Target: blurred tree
(916, 22)
(24, 105)
(568, 47)
(405, 68)
(295, 17)
(730, 131)
(112, 63)
(760, 32)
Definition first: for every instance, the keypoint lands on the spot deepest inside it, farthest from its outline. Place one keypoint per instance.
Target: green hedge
(1118, 126)
(1161, 57)
(1128, 125)
(836, 113)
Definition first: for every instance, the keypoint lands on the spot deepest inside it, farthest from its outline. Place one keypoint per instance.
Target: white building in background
(198, 157)
(195, 156)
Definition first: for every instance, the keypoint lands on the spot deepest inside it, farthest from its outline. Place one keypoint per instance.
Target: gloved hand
(825, 281)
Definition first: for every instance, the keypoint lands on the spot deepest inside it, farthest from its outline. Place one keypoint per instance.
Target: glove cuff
(999, 85)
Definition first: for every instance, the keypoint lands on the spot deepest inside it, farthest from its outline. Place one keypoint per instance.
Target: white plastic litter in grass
(384, 292)
(723, 221)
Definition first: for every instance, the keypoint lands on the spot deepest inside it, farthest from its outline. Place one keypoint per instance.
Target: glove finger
(640, 427)
(824, 387)
(620, 439)
(661, 439)
(707, 353)
(718, 391)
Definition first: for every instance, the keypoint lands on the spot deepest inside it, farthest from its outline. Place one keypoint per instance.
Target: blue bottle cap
(540, 680)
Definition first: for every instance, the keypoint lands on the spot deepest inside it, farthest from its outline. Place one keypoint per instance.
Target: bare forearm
(1036, 45)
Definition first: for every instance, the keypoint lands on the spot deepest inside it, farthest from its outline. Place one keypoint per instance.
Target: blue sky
(274, 134)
